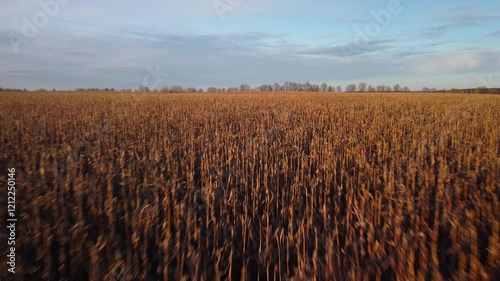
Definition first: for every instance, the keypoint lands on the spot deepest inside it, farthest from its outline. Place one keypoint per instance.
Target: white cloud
(455, 62)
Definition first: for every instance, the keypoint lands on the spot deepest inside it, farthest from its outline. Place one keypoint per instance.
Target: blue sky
(66, 44)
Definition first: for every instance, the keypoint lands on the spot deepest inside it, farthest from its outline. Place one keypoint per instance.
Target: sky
(65, 44)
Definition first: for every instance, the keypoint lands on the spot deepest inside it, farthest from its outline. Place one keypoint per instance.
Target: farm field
(253, 186)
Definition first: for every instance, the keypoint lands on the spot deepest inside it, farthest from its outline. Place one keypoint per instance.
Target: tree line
(284, 87)
(277, 87)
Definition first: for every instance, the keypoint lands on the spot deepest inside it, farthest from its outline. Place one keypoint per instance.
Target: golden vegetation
(254, 186)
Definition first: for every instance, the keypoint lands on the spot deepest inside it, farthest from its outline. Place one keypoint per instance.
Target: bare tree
(176, 89)
(288, 86)
(244, 88)
(396, 88)
(300, 87)
(324, 87)
(276, 87)
(265, 88)
(371, 88)
(351, 88)
(339, 89)
(362, 87)
(307, 87)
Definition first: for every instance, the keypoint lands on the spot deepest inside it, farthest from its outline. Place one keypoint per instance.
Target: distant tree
(481, 90)
(362, 87)
(287, 86)
(177, 89)
(299, 87)
(276, 87)
(397, 88)
(265, 88)
(315, 88)
(244, 88)
(331, 89)
(388, 89)
(307, 87)
(339, 89)
(324, 87)
(350, 88)
(406, 89)
(380, 88)
(371, 88)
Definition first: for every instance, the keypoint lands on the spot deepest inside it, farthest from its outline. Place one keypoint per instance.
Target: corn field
(281, 186)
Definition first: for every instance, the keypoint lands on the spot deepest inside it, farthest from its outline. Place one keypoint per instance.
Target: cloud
(457, 62)
(495, 34)
(340, 50)
(69, 61)
(126, 55)
(456, 20)
(453, 9)
(221, 41)
(61, 60)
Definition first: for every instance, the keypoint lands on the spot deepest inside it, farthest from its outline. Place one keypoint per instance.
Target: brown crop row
(254, 186)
